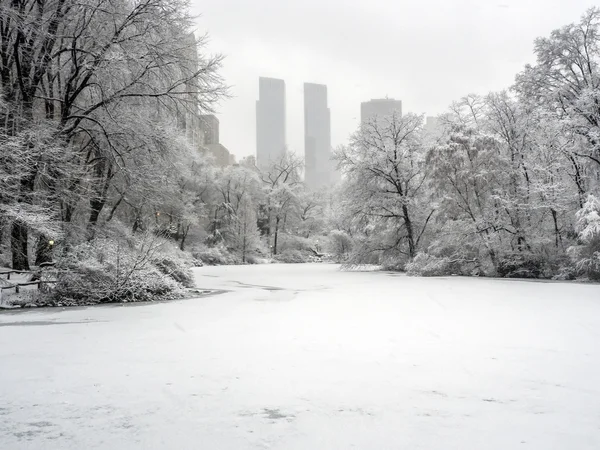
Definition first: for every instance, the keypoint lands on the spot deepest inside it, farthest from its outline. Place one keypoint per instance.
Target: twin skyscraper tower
(319, 169)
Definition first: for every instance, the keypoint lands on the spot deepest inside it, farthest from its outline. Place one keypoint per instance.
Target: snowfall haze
(426, 53)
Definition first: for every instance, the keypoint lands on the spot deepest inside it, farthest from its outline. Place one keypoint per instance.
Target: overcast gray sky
(426, 53)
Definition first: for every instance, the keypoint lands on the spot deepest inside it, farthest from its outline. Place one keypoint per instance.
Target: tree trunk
(96, 206)
(409, 232)
(98, 200)
(184, 234)
(276, 235)
(557, 236)
(114, 208)
(137, 222)
(244, 246)
(19, 231)
(19, 244)
(43, 253)
(68, 212)
(492, 253)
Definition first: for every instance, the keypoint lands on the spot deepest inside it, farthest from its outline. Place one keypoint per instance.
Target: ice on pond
(310, 357)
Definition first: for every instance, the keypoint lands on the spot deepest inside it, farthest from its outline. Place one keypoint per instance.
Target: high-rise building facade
(187, 117)
(379, 108)
(210, 128)
(319, 168)
(270, 122)
(433, 127)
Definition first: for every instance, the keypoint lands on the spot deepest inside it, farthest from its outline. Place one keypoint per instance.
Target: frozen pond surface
(305, 357)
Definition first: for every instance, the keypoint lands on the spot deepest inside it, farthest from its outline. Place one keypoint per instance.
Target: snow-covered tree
(385, 172)
(565, 80)
(587, 254)
(282, 187)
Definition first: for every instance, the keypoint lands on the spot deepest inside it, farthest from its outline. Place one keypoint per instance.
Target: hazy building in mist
(380, 108)
(270, 122)
(433, 127)
(220, 154)
(210, 128)
(248, 161)
(319, 168)
(187, 119)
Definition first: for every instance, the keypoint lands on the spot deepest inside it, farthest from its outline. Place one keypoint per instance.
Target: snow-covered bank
(306, 356)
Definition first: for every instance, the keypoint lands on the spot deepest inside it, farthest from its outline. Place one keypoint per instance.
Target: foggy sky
(426, 53)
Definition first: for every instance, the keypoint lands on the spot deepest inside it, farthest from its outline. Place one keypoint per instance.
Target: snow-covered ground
(306, 357)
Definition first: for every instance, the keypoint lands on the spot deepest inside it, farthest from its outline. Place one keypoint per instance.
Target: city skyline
(395, 54)
(270, 121)
(379, 108)
(317, 137)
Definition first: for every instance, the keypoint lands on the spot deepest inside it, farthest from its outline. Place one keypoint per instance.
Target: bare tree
(282, 184)
(103, 74)
(385, 179)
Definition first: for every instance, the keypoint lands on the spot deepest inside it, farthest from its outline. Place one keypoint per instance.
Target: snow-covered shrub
(363, 254)
(113, 270)
(215, 256)
(426, 265)
(588, 219)
(291, 256)
(566, 273)
(339, 245)
(393, 264)
(175, 264)
(251, 259)
(291, 242)
(586, 256)
(521, 265)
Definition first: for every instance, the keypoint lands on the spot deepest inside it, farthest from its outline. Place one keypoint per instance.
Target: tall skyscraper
(380, 108)
(319, 167)
(270, 122)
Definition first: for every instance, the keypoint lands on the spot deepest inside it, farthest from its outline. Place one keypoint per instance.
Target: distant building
(209, 125)
(248, 161)
(433, 127)
(270, 122)
(319, 166)
(380, 108)
(188, 119)
(220, 154)
(210, 128)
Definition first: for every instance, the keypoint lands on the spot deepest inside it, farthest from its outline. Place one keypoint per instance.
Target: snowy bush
(175, 264)
(427, 265)
(586, 256)
(339, 245)
(362, 254)
(291, 242)
(251, 259)
(291, 256)
(588, 219)
(215, 256)
(112, 270)
(566, 273)
(521, 265)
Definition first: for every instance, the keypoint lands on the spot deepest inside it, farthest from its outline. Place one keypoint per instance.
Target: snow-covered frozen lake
(305, 357)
